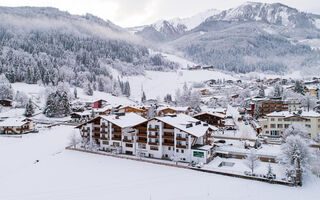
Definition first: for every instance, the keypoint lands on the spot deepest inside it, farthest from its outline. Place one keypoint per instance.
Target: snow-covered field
(158, 84)
(64, 174)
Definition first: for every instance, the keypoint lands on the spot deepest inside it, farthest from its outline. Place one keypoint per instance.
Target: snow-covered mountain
(164, 30)
(275, 13)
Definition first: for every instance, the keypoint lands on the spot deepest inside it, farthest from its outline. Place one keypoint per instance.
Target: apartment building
(179, 137)
(268, 106)
(276, 122)
(176, 137)
(113, 132)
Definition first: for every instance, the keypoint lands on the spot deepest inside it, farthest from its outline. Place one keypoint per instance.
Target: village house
(6, 102)
(162, 111)
(96, 103)
(142, 111)
(17, 126)
(268, 106)
(215, 119)
(277, 122)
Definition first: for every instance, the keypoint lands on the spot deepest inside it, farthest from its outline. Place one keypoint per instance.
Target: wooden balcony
(104, 126)
(168, 136)
(142, 134)
(142, 128)
(96, 136)
(96, 131)
(153, 136)
(181, 138)
(153, 143)
(116, 133)
(142, 141)
(126, 140)
(181, 146)
(116, 138)
(104, 132)
(104, 138)
(153, 129)
(171, 144)
(85, 131)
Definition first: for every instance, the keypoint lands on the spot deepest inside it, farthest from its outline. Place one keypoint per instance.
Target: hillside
(48, 45)
(251, 37)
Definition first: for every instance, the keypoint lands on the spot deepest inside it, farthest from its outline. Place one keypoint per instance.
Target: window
(272, 125)
(177, 150)
(265, 126)
(308, 125)
(280, 126)
(272, 119)
(280, 120)
(274, 133)
(156, 126)
(169, 148)
(182, 151)
(153, 148)
(267, 132)
(286, 125)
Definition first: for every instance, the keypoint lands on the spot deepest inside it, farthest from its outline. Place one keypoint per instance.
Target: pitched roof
(124, 121)
(181, 121)
(292, 114)
(13, 122)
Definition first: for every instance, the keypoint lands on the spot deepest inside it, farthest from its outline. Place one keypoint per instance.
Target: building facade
(277, 122)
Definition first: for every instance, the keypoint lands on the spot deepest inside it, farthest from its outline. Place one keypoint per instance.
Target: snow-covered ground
(158, 84)
(64, 174)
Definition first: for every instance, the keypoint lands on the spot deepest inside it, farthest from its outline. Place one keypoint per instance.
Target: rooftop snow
(127, 120)
(291, 114)
(13, 122)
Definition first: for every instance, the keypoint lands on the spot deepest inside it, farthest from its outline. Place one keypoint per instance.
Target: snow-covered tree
(20, 99)
(295, 129)
(298, 87)
(309, 102)
(6, 91)
(88, 89)
(57, 103)
(261, 92)
(277, 91)
(167, 98)
(295, 156)
(75, 93)
(270, 172)
(315, 163)
(74, 139)
(29, 111)
(252, 160)
(152, 112)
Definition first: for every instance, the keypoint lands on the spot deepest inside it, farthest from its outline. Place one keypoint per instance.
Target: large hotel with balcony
(174, 137)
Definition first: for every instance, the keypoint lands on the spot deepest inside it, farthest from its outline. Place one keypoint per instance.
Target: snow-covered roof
(124, 121)
(291, 114)
(183, 109)
(222, 116)
(181, 121)
(13, 122)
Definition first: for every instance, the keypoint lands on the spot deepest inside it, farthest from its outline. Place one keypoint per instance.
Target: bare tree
(252, 160)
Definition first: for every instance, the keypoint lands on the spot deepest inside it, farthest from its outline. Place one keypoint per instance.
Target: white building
(17, 126)
(277, 122)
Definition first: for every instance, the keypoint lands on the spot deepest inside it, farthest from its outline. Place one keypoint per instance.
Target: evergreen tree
(100, 85)
(57, 103)
(143, 97)
(75, 93)
(261, 91)
(298, 88)
(88, 89)
(29, 111)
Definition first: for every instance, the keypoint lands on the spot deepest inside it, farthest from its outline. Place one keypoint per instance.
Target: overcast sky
(128, 13)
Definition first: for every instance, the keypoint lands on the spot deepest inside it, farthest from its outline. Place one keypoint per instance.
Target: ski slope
(69, 175)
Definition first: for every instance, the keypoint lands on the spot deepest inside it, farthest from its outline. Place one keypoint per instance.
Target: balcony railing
(127, 140)
(96, 130)
(153, 143)
(153, 136)
(116, 138)
(181, 146)
(181, 138)
(85, 130)
(153, 129)
(96, 136)
(142, 141)
(116, 132)
(168, 144)
(168, 136)
(142, 134)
